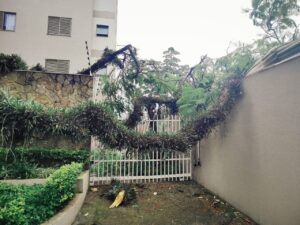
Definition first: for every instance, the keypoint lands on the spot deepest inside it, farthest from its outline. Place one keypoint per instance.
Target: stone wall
(50, 90)
(55, 90)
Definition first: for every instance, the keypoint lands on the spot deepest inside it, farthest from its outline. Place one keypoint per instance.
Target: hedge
(42, 157)
(32, 205)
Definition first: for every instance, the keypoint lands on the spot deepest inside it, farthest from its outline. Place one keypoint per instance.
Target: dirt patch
(184, 203)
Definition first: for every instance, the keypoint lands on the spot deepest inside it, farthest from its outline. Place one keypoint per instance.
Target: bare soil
(182, 203)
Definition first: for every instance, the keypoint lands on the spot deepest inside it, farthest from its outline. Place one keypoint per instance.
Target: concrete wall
(30, 39)
(28, 182)
(252, 160)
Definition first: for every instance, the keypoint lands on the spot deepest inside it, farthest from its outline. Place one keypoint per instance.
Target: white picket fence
(168, 124)
(137, 167)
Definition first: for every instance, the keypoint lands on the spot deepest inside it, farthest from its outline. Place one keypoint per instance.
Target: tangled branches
(22, 120)
(137, 113)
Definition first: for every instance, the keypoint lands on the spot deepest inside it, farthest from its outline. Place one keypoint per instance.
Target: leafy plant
(275, 18)
(41, 157)
(32, 205)
(95, 119)
(24, 170)
(42, 172)
(116, 186)
(17, 170)
(192, 101)
(9, 63)
(60, 185)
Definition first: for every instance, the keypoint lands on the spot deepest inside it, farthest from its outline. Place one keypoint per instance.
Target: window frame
(102, 26)
(3, 26)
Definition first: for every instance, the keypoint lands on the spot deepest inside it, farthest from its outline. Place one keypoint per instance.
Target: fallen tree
(21, 121)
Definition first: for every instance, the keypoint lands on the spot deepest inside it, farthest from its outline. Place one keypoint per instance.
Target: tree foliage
(169, 79)
(275, 17)
(192, 101)
(170, 64)
(95, 119)
(9, 63)
(155, 78)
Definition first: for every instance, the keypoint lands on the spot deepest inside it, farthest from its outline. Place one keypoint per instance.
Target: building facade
(54, 32)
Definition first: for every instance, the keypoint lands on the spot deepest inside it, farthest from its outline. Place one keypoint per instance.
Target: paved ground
(184, 203)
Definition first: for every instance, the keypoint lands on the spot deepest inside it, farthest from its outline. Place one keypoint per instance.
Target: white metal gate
(152, 166)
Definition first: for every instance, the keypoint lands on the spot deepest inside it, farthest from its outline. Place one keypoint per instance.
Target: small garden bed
(32, 205)
(26, 163)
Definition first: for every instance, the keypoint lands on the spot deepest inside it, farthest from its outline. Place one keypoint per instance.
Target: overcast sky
(193, 27)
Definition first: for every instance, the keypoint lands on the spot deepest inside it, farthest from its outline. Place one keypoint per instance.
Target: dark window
(7, 21)
(102, 30)
(60, 26)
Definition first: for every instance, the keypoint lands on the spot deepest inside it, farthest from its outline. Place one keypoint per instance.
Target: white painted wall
(253, 160)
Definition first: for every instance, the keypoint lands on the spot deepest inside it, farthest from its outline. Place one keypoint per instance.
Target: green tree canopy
(276, 18)
(171, 62)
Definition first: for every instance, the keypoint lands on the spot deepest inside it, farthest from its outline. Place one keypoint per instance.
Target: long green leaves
(23, 120)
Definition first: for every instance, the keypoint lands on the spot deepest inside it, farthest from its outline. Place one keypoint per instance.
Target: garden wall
(55, 90)
(51, 90)
(252, 161)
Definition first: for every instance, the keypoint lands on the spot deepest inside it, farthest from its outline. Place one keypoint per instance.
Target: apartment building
(53, 32)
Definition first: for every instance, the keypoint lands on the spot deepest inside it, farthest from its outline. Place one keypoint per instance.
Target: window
(102, 30)
(57, 66)
(60, 26)
(7, 21)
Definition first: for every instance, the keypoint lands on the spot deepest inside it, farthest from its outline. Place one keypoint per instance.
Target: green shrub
(61, 185)
(20, 170)
(32, 205)
(14, 203)
(37, 162)
(42, 172)
(22, 121)
(42, 157)
(24, 170)
(9, 63)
